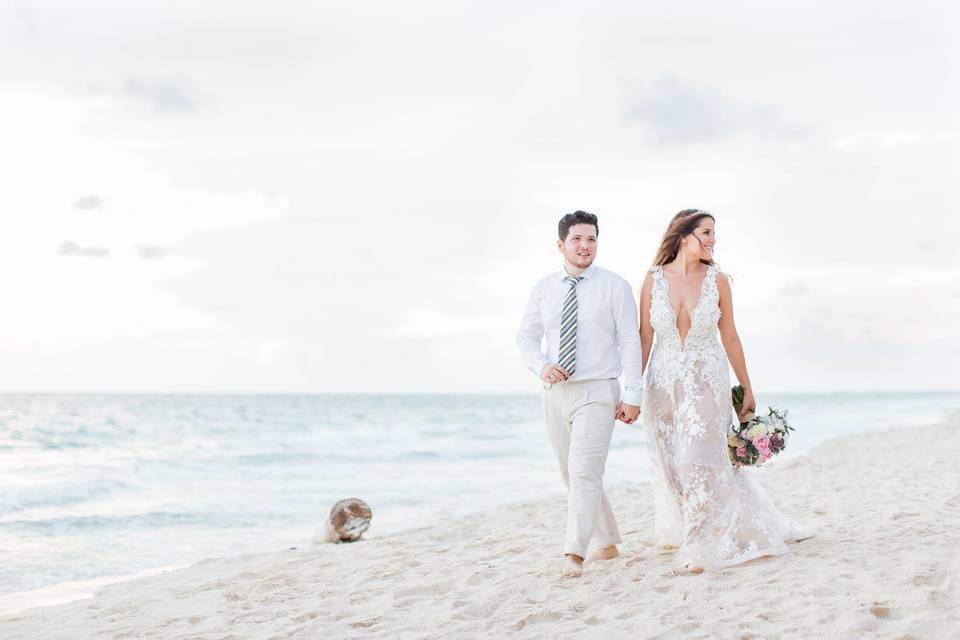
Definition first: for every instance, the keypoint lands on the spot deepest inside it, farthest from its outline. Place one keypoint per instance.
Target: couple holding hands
(674, 357)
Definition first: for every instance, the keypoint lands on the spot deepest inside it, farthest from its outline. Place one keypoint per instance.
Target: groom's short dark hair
(577, 217)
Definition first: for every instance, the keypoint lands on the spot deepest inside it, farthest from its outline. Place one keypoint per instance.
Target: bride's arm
(732, 344)
(646, 330)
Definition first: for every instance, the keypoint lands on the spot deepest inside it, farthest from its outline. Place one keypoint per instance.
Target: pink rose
(763, 446)
(741, 452)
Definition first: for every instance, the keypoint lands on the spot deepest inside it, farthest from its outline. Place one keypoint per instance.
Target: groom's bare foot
(606, 553)
(572, 566)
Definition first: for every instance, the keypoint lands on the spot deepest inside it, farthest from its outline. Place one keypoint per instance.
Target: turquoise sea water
(99, 486)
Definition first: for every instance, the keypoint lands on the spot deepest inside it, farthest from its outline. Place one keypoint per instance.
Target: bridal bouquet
(755, 441)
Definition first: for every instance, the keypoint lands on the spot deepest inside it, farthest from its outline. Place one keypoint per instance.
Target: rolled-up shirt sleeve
(628, 341)
(530, 336)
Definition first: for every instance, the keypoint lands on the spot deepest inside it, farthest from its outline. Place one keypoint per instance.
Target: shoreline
(505, 563)
(73, 590)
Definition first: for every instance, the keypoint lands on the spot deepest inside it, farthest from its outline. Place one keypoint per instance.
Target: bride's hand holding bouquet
(747, 404)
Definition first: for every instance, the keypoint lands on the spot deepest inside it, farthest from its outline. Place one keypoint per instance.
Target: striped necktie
(568, 327)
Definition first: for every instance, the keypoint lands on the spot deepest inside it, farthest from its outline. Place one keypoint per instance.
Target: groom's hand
(627, 413)
(553, 373)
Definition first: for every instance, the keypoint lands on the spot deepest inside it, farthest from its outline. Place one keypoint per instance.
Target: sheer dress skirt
(717, 514)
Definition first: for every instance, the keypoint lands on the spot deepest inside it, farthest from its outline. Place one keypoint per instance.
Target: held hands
(553, 373)
(627, 413)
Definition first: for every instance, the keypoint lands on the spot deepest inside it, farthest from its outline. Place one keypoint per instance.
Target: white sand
(884, 565)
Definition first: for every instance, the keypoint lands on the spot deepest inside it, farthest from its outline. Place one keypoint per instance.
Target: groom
(589, 318)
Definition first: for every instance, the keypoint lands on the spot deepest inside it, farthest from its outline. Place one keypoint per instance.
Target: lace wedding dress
(716, 513)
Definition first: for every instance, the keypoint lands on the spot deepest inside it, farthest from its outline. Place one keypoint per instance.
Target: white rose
(756, 431)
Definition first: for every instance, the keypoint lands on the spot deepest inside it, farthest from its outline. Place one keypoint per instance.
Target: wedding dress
(716, 513)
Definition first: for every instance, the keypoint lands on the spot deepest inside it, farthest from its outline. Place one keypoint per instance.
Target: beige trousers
(579, 419)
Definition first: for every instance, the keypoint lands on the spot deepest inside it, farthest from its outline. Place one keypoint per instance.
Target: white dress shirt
(608, 337)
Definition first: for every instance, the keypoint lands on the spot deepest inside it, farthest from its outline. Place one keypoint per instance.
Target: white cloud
(68, 248)
(675, 112)
(86, 203)
(163, 96)
(874, 141)
(150, 251)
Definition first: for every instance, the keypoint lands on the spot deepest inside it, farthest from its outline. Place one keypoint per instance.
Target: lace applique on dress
(717, 514)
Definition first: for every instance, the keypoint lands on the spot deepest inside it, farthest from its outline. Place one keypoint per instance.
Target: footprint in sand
(406, 603)
(550, 616)
(475, 579)
(364, 624)
(276, 582)
(476, 610)
(435, 589)
(303, 617)
(900, 515)
(932, 578)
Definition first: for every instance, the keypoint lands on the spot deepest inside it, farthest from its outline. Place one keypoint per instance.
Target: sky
(326, 197)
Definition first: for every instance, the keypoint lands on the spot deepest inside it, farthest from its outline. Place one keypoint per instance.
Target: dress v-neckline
(692, 314)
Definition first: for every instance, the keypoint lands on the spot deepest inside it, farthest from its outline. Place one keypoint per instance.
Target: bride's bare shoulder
(647, 280)
(720, 273)
(723, 285)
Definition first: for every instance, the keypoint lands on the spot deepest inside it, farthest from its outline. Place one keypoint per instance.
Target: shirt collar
(589, 273)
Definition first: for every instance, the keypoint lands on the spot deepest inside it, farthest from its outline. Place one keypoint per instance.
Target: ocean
(96, 488)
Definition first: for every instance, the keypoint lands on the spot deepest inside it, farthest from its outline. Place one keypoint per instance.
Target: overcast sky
(357, 196)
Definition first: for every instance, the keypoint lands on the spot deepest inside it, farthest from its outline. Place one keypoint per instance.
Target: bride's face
(700, 243)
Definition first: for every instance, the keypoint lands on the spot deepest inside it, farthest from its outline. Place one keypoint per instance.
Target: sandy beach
(883, 565)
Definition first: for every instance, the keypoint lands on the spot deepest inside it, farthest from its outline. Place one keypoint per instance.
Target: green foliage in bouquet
(760, 438)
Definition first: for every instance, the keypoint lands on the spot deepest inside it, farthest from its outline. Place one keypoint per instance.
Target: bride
(716, 513)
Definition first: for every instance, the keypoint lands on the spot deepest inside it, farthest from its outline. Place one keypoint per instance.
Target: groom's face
(580, 247)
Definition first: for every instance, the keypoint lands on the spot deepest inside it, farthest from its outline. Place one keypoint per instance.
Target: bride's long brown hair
(682, 225)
